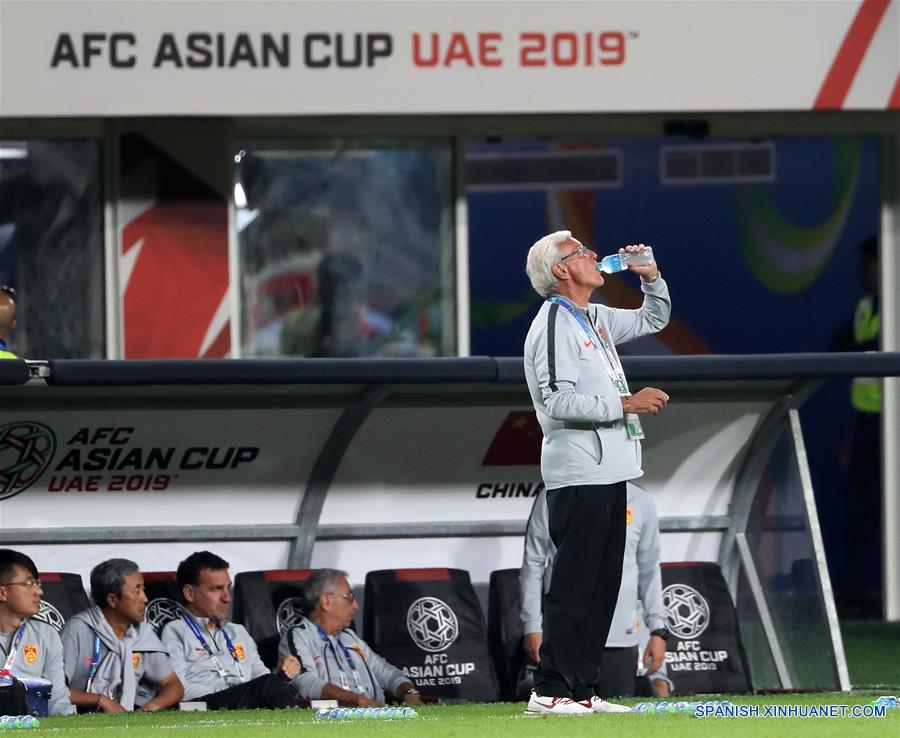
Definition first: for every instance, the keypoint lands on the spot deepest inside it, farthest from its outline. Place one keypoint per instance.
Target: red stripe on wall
(894, 101)
(686, 563)
(850, 55)
(421, 575)
(50, 576)
(287, 575)
(159, 576)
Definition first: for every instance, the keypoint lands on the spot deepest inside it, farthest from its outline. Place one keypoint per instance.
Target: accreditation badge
(136, 660)
(633, 426)
(239, 650)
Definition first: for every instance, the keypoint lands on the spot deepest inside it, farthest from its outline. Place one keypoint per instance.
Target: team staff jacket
(641, 578)
(195, 667)
(341, 659)
(40, 654)
(577, 405)
(129, 670)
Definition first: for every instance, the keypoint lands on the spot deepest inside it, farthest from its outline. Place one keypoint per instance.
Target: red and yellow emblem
(136, 661)
(30, 653)
(628, 515)
(239, 650)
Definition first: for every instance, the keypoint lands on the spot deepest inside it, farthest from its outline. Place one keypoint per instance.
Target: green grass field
(873, 657)
(493, 721)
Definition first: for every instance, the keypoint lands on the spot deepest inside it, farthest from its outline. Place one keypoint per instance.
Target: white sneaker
(540, 705)
(599, 705)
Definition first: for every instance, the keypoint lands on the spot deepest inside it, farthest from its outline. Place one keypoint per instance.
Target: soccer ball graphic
(432, 624)
(290, 613)
(687, 612)
(162, 611)
(50, 615)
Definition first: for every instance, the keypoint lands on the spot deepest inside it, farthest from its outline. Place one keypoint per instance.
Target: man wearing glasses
(217, 660)
(29, 647)
(7, 320)
(591, 448)
(336, 664)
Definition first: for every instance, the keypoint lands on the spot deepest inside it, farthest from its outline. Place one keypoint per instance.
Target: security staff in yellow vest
(865, 395)
(859, 577)
(7, 320)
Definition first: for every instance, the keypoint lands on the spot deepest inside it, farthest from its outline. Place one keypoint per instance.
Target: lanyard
(95, 663)
(601, 345)
(192, 624)
(14, 648)
(329, 644)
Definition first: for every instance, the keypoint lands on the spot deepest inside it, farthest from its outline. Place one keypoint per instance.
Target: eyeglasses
(11, 291)
(581, 251)
(349, 596)
(28, 584)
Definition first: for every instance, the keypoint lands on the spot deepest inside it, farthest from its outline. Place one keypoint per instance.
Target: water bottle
(619, 262)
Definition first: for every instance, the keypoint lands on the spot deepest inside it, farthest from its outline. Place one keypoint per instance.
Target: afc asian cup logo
(687, 612)
(290, 612)
(50, 615)
(26, 449)
(162, 611)
(432, 624)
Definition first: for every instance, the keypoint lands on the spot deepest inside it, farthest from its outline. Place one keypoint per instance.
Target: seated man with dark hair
(29, 647)
(335, 662)
(114, 661)
(216, 659)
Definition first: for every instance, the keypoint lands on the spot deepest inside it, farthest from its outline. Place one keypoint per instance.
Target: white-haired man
(591, 448)
(335, 662)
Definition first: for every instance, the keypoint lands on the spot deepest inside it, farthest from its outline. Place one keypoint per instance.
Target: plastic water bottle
(889, 701)
(619, 262)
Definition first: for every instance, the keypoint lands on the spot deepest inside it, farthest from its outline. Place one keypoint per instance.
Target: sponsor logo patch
(432, 624)
(687, 611)
(26, 449)
(50, 615)
(289, 614)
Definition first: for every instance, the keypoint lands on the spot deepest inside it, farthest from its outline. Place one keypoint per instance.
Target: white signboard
(106, 57)
(153, 467)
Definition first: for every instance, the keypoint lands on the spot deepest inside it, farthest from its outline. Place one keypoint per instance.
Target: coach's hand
(655, 654)
(289, 667)
(531, 644)
(648, 400)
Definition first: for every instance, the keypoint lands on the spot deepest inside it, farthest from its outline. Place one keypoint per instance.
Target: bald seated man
(7, 320)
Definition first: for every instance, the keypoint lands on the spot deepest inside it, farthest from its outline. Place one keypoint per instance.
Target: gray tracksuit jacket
(130, 669)
(585, 440)
(40, 654)
(196, 669)
(323, 660)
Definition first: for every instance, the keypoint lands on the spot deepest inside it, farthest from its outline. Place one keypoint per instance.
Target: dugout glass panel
(51, 246)
(782, 551)
(345, 248)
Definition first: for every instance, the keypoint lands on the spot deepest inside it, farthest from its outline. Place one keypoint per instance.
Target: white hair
(541, 258)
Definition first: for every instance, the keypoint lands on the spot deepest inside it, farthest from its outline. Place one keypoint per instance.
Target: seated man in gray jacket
(641, 582)
(335, 663)
(29, 647)
(114, 661)
(217, 660)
